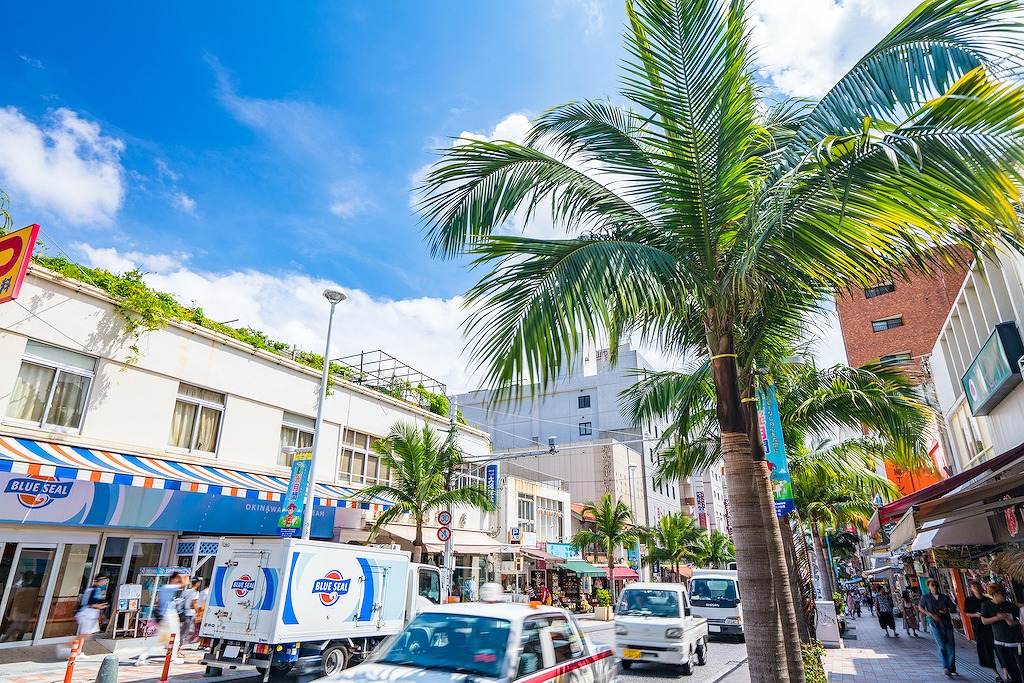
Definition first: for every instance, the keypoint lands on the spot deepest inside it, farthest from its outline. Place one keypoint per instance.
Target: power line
(51, 326)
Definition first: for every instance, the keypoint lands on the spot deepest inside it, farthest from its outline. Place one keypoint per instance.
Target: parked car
(492, 642)
(654, 623)
(715, 595)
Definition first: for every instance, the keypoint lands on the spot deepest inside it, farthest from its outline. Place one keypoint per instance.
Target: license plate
(631, 654)
(231, 651)
(714, 629)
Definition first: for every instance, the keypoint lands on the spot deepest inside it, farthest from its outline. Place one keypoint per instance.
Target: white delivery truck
(715, 595)
(281, 603)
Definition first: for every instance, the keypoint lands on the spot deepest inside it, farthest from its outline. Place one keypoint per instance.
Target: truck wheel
(741, 638)
(335, 659)
(279, 670)
(702, 653)
(626, 666)
(213, 672)
(686, 668)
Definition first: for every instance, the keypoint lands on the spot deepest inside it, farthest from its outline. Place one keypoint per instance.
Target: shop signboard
(994, 372)
(562, 550)
(128, 597)
(294, 500)
(491, 483)
(15, 255)
(775, 449)
(65, 501)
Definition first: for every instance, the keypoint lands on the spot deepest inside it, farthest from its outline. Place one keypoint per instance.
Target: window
(527, 508)
(895, 358)
(359, 464)
(52, 386)
(584, 401)
(296, 432)
(887, 323)
(195, 425)
(549, 520)
(586, 429)
(879, 289)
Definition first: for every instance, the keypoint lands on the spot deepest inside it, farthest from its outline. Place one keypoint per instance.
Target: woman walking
(883, 602)
(1003, 616)
(983, 637)
(910, 613)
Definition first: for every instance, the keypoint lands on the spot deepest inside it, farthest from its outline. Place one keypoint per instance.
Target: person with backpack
(168, 599)
(91, 605)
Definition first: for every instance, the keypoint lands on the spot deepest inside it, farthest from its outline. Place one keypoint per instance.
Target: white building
(977, 363)
(114, 459)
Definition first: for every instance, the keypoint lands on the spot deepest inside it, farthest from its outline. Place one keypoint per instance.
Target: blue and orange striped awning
(27, 456)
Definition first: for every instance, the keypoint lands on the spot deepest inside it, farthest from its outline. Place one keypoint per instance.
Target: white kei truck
(278, 604)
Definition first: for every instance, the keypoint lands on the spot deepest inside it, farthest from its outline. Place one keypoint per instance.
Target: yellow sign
(15, 254)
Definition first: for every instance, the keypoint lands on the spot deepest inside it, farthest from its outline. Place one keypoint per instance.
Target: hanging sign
(491, 483)
(294, 499)
(15, 255)
(775, 449)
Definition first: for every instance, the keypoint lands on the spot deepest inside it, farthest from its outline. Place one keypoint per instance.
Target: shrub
(837, 598)
(604, 597)
(814, 667)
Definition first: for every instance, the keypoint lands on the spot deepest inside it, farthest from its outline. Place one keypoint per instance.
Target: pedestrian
(1003, 616)
(91, 606)
(189, 603)
(983, 637)
(545, 596)
(850, 602)
(857, 602)
(939, 607)
(886, 619)
(469, 590)
(166, 614)
(910, 614)
(871, 600)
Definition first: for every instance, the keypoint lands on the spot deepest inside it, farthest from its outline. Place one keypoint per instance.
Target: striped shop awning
(28, 456)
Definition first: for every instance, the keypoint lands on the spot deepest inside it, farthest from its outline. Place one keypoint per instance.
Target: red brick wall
(923, 301)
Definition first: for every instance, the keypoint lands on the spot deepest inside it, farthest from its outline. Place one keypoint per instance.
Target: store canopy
(878, 572)
(623, 572)
(969, 531)
(955, 502)
(893, 511)
(541, 555)
(584, 568)
(904, 532)
(465, 542)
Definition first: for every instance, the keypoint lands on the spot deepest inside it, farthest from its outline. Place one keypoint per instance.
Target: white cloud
(31, 61)
(826, 337)
(165, 171)
(423, 333)
(805, 46)
(65, 167)
(182, 201)
(591, 11)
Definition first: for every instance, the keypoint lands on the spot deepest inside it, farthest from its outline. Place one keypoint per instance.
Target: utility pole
(448, 575)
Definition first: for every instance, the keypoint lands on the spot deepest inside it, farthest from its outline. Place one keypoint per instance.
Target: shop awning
(956, 502)
(622, 572)
(584, 568)
(878, 572)
(541, 555)
(893, 511)
(969, 531)
(904, 532)
(40, 458)
(466, 542)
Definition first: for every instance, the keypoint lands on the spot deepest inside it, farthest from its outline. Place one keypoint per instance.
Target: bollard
(167, 659)
(76, 646)
(108, 670)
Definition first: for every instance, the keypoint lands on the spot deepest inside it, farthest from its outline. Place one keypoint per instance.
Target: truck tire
(741, 638)
(702, 652)
(334, 659)
(279, 670)
(686, 668)
(626, 666)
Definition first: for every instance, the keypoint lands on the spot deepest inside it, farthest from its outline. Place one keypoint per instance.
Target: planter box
(603, 613)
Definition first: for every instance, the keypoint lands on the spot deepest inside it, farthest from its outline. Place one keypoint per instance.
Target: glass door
(31, 565)
(143, 552)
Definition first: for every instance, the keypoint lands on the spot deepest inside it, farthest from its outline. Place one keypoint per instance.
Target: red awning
(623, 572)
(894, 510)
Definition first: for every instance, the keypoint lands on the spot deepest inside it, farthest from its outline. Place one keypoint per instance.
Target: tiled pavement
(49, 670)
(873, 658)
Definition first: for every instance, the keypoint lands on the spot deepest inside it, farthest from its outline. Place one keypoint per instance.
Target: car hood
(379, 673)
(652, 626)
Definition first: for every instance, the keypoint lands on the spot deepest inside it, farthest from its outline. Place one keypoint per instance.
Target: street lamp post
(335, 296)
(632, 503)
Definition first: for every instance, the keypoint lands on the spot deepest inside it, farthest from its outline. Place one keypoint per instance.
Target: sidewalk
(873, 658)
(45, 668)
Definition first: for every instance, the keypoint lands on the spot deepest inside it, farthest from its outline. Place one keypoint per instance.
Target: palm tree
(421, 462)
(713, 550)
(613, 528)
(688, 209)
(671, 541)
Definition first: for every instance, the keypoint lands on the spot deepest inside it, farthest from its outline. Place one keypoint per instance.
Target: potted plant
(603, 611)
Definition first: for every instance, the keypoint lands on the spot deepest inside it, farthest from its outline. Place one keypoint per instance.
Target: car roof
(513, 611)
(654, 586)
(724, 573)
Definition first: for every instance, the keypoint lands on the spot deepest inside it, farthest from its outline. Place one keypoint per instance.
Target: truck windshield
(430, 585)
(450, 642)
(713, 592)
(649, 603)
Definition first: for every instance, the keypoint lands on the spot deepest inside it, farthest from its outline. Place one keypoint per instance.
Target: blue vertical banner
(491, 482)
(294, 499)
(775, 449)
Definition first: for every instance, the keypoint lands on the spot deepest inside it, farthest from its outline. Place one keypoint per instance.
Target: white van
(654, 624)
(715, 595)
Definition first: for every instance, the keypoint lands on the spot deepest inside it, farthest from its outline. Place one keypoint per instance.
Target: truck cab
(655, 624)
(715, 595)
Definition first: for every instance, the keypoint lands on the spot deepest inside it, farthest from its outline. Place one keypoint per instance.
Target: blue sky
(246, 154)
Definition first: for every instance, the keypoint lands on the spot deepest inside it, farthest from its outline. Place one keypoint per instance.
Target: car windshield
(450, 642)
(718, 591)
(649, 603)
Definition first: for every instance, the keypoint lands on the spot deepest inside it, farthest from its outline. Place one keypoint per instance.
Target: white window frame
(58, 369)
(361, 478)
(887, 320)
(200, 404)
(526, 512)
(588, 426)
(583, 399)
(287, 423)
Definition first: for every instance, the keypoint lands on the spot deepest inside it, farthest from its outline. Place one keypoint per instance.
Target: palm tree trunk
(417, 544)
(824, 571)
(611, 574)
(794, 578)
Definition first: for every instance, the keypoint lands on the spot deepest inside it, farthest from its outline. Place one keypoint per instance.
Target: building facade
(122, 452)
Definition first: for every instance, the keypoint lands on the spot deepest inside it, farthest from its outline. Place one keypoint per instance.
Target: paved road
(723, 656)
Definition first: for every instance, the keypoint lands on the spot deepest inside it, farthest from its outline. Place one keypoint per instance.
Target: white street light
(335, 296)
(632, 502)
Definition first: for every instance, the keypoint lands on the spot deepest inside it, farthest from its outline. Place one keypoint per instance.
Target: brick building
(897, 322)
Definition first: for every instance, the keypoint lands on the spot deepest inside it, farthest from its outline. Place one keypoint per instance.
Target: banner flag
(294, 500)
(775, 449)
